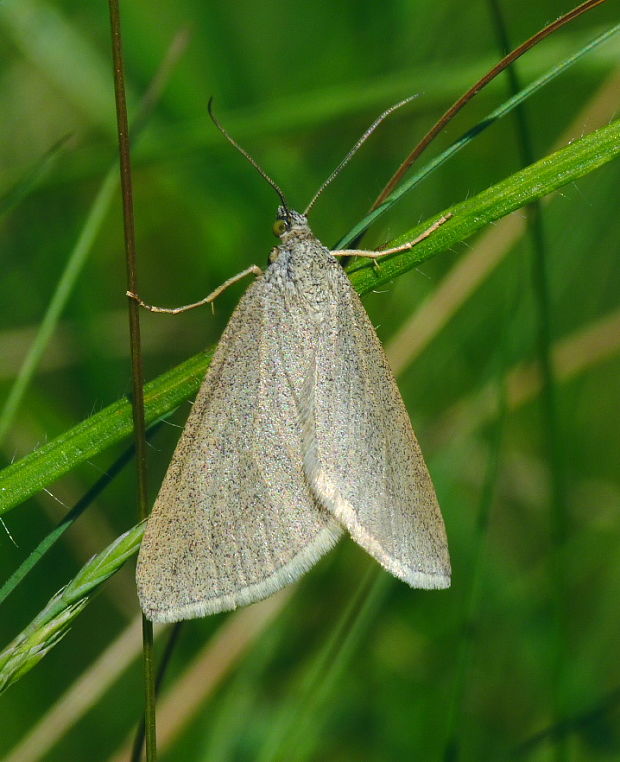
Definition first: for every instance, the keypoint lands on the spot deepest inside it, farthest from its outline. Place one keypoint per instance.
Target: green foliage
(52, 623)
(42, 467)
(349, 670)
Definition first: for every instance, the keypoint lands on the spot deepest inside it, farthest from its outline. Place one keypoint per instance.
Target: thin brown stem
(482, 82)
(136, 354)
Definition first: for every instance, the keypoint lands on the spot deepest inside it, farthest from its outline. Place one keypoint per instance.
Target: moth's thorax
(300, 265)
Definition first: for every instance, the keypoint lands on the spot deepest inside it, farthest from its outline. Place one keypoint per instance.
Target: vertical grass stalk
(549, 413)
(137, 375)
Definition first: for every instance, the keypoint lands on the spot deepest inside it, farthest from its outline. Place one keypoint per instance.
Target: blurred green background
(355, 665)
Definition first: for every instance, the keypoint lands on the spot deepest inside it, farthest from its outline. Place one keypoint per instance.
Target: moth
(298, 435)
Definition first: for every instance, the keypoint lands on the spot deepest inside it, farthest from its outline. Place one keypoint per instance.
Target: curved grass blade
(298, 723)
(82, 504)
(90, 437)
(20, 190)
(83, 246)
(53, 622)
(544, 176)
(506, 63)
(40, 468)
(506, 108)
(73, 267)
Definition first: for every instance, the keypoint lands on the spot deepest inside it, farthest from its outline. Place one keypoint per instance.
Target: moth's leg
(396, 249)
(253, 269)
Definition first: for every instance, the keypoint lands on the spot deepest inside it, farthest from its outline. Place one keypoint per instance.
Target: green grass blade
(82, 504)
(282, 727)
(53, 622)
(67, 281)
(506, 108)
(303, 720)
(54, 42)
(30, 474)
(473, 593)
(80, 252)
(20, 190)
(40, 468)
(564, 166)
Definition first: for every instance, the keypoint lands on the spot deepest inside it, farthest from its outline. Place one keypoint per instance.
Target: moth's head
(289, 221)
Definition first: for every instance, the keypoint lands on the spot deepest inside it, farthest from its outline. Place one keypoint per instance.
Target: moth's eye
(279, 227)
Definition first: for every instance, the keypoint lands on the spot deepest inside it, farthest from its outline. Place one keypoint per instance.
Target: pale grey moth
(298, 434)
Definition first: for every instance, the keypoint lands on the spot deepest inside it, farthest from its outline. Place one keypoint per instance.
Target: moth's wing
(364, 461)
(235, 519)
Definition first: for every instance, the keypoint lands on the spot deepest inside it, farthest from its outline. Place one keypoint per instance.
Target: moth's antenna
(356, 148)
(251, 159)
